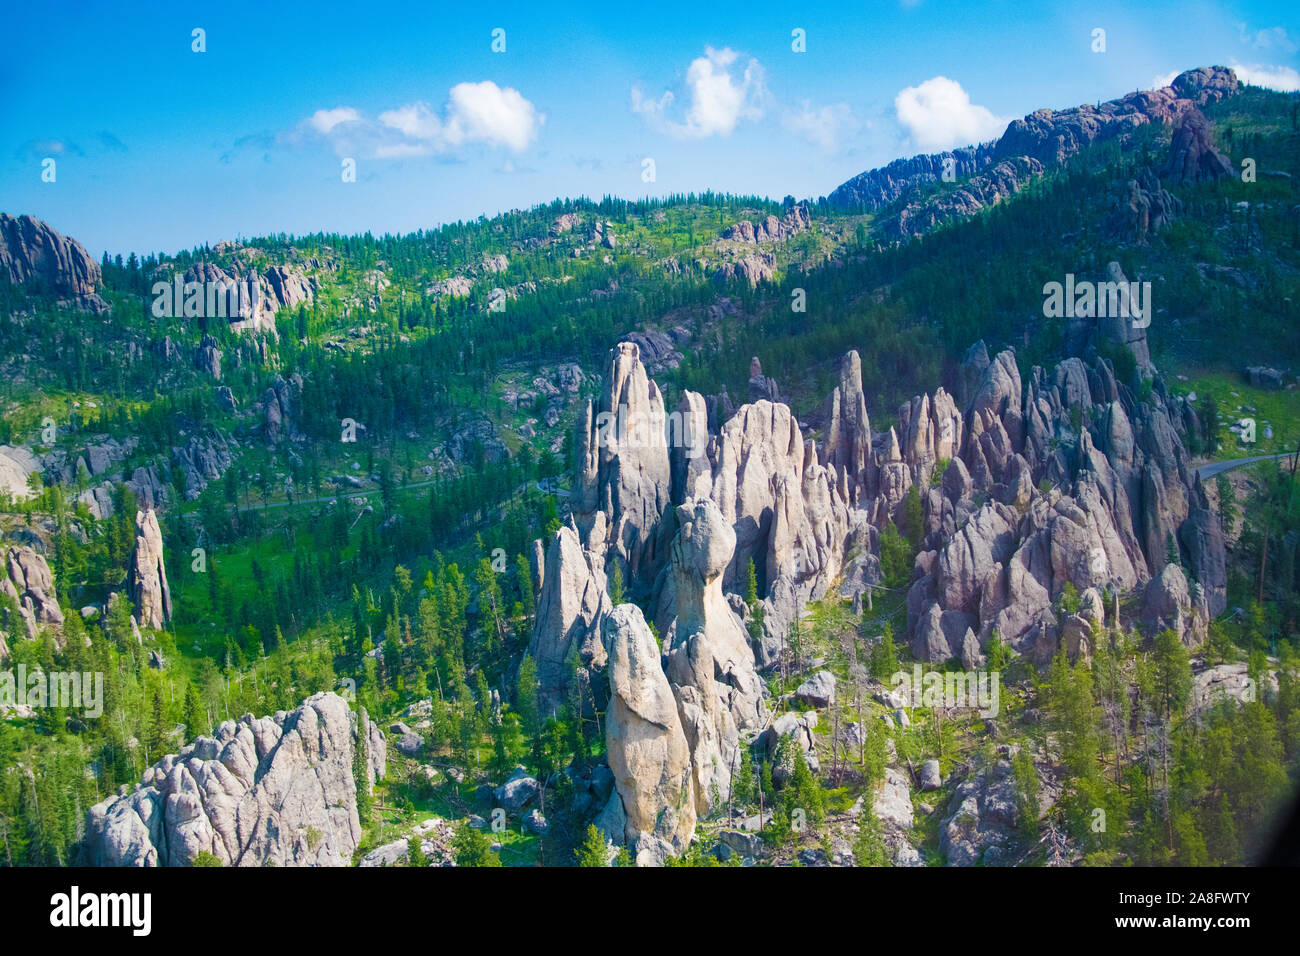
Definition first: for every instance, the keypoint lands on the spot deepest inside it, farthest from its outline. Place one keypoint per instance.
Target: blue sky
(159, 148)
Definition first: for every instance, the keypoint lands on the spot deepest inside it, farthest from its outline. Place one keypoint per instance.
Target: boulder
(518, 791)
(817, 691)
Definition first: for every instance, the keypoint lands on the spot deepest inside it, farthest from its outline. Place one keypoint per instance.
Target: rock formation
(623, 464)
(25, 578)
(1120, 493)
(760, 386)
(1142, 208)
(249, 300)
(980, 191)
(16, 467)
(261, 791)
(207, 357)
(147, 573)
(1192, 156)
(770, 228)
(1064, 478)
(202, 459)
(709, 662)
(571, 604)
(1032, 488)
(280, 407)
(647, 748)
(46, 263)
(876, 187)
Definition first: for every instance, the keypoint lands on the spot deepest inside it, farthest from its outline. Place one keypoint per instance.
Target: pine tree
(196, 724)
(884, 655)
(361, 769)
(507, 745)
(1026, 778)
(616, 584)
(869, 848)
(742, 784)
(751, 586)
(526, 696)
(592, 851)
(914, 518)
(524, 581)
(157, 734)
(415, 853)
(472, 848)
(804, 792)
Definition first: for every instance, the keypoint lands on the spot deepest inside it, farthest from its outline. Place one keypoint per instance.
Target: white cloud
(476, 114)
(1160, 82)
(717, 99)
(938, 114)
(486, 113)
(1270, 38)
(1281, 78)
(398, 150)
(823, 127)
(322, 121)
(415, 121)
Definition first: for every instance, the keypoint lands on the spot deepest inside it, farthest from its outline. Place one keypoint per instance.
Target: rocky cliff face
(147, 573)
(25, 578)
(252, 306)
(877, 187)
(984, 189)
(47, 263)
(1192, 156)
(261, 791)
(1053, 136)
(16, 467)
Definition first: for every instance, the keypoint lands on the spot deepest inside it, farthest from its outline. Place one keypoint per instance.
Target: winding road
(1210, 469)
(367, 492)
